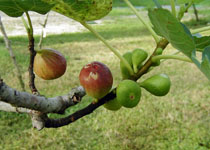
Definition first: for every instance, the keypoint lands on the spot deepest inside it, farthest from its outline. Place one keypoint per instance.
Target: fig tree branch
(55, 123)
(8, 46)
(9, 108)
(40, 103)
(162, 44)
(29, 30)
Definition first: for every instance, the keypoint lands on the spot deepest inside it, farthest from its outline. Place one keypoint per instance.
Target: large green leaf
(205, 64)
(82, 10)
(166, 25)
(16, 8)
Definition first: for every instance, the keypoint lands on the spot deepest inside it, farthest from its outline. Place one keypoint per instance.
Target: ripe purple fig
(96, 78)
(49, 64)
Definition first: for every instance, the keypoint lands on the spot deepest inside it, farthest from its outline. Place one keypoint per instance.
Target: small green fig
(138, 57)
(96, 78)
(113, 105)
(159, 51)
(49, 64)
(128, 93)
(124, 71)
(158, 85)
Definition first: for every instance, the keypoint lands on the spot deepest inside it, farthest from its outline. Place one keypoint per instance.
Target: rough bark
(40, 103)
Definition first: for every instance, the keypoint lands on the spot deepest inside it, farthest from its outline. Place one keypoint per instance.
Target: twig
(42, 34)
(195, 12)
(8, 46)
(29, 29)
(162, 44)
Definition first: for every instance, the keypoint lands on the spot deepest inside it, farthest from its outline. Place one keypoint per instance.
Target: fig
(113, 105)
(158, 85)
(124, 71)
(138, 57)
(158, 52)
(49, 64)
(128, 93)
(96, 78)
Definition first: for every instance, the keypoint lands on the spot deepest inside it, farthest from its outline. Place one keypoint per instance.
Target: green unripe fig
(124, 71)
(138, 56)
(159, 51)
(113, 105)
(156, 63)
(128, 93)
(158, 85)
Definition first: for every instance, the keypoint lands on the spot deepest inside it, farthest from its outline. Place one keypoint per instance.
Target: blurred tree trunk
(8, 46)
(195, 12)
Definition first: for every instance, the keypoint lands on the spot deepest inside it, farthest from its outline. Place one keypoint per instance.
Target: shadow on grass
(192, 23)
(121, 32)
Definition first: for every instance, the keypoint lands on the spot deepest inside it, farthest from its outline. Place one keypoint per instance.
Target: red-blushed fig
(96, 78)
(49, 64)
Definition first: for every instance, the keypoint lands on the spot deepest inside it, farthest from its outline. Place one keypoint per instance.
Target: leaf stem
(25, 24)
(200, 30)
(30, 24)
(181, 58)
(147, 25)
(109, 46)
(173, 7)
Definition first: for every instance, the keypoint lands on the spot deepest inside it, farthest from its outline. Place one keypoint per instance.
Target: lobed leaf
(166, 25)
(82, 10)
(16, 8)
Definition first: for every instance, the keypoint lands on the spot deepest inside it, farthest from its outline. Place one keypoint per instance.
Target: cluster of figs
(97, 79)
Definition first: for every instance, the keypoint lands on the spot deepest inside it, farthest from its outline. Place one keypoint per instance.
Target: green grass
(178, 121)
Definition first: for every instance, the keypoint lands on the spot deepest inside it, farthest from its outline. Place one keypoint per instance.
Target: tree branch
(9, 108)
(162, 44)
(55, 123)
(29, 29)
(40, 103)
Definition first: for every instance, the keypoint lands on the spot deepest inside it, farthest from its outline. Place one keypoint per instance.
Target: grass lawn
(178, 121)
